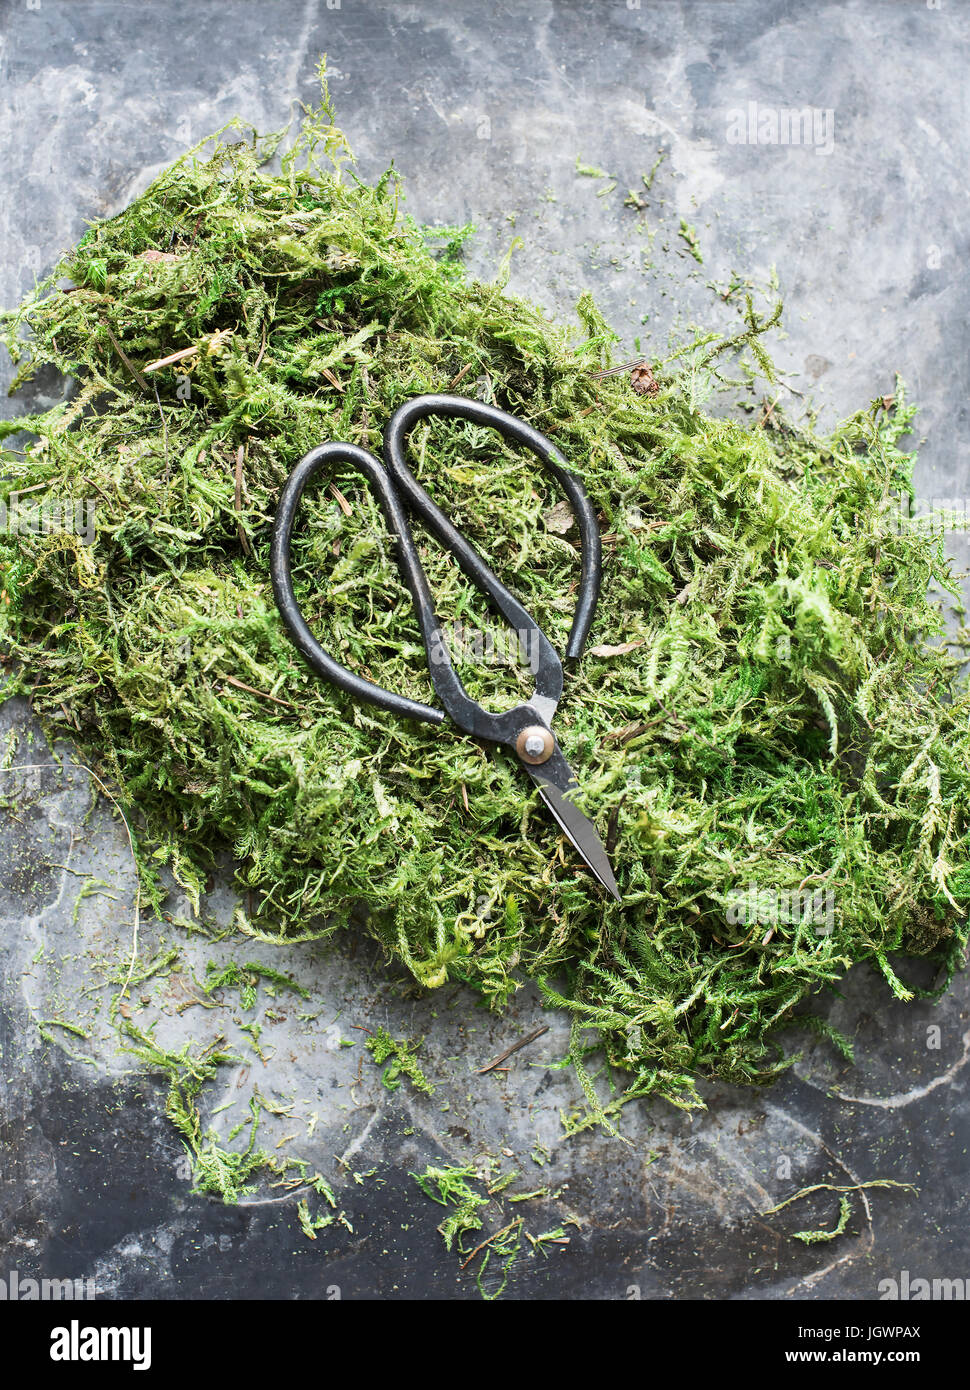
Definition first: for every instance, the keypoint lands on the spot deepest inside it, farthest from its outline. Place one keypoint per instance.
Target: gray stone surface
(485, 110)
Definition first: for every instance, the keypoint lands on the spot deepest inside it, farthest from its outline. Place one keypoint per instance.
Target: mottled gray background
(485, 108)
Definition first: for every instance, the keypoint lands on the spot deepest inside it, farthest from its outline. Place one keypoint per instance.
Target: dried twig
(243, 538)
(523, 1042)
(262, 349)
(263, 695)
(342, 502)
(615, 371)
(463, 373)
(179, 356)
(481, 1246)
(124, 356)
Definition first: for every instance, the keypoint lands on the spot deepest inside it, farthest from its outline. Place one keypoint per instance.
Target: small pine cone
(643, 380)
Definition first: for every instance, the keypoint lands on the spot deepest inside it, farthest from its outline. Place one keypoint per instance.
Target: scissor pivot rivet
(534, 744)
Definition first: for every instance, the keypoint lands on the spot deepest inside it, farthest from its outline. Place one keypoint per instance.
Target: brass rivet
(535, 744)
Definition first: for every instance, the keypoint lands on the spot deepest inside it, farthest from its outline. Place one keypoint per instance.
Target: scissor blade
(580, 832)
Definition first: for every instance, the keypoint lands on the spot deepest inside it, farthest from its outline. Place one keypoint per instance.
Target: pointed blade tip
(580, 832)
(610, 884)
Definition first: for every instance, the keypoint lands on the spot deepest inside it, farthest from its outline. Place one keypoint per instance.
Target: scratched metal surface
(485, 110)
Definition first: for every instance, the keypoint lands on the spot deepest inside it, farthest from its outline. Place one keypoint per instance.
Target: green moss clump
(768, 704)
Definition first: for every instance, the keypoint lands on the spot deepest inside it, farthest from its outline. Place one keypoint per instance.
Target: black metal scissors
(526, 729)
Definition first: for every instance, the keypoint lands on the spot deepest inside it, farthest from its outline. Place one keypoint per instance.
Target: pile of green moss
(767, 703)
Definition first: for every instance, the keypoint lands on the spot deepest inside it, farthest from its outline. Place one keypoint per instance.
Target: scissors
(526, 729)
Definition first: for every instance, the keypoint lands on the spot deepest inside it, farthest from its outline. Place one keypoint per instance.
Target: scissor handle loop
(282, 577)
(397, 491)
(395, 437)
